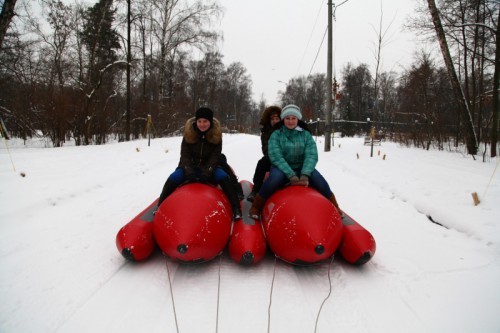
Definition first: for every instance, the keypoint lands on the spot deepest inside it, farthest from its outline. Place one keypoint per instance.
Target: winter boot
(257, 205)
(255, 189)
(334, 202)
(230, 192)
(238, 188)
(234, 179)
(251, 196)
(237, 215)
(168, 188)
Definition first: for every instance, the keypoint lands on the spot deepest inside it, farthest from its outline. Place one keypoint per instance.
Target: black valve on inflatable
(247, 258)
(182, 248)
(319, 249)
(127, 254)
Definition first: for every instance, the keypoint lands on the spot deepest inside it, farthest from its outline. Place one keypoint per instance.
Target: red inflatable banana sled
(135, 239)
(358, 245)
(301, 226)
(194, 223)
(247, 244)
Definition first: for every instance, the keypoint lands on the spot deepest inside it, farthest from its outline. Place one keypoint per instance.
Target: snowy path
(61, 272)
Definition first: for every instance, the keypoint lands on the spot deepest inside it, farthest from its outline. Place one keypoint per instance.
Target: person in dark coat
(269, 118)
(232, 176)
(201, 151)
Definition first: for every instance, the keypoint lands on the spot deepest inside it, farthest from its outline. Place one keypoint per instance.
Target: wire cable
(491, 178)
(271, 299)
(328, 296)
(319, 49)
(10, 155)
(317, 53)
(218, 298)
(309, 40)
(172, 297)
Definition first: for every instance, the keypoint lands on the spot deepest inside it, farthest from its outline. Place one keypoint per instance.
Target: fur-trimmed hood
(265, 119)
(213, 135)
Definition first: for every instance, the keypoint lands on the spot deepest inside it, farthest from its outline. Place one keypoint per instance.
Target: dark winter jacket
(202, 150)
(295, 149)
(266, 129)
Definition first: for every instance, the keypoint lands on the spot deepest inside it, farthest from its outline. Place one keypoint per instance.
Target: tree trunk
(496, 95)
(463, 105)
(129, 60)
(5, 18)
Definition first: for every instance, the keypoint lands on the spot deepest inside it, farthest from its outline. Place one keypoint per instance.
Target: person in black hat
(201, 153)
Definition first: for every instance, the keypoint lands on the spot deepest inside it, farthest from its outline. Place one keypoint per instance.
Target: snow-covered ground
(60, 270)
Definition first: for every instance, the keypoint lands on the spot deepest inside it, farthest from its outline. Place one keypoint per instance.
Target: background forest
(91, 72)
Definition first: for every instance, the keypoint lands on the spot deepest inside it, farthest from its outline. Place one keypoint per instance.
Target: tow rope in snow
(173, 302)
(271, 298)
(322, 303)
(218, 298)
(327, 296)
(491, 178)
(172, 297)
(10, 155)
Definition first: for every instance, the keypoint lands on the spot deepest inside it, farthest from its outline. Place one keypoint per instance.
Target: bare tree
(238, 88)
(357, 92)
(382, 40)
(6, 17)
(388, 100)
(175, 25)
(463, 104)
(496, 93)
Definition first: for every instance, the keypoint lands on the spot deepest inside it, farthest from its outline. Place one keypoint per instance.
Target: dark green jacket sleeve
(310, 155)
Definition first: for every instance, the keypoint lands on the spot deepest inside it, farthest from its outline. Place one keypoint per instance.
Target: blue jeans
(179, 177)
(278, 179)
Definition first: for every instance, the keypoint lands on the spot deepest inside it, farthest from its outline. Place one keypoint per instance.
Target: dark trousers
(223, 175)
(263, 166)
(277, 179)
(232, 176)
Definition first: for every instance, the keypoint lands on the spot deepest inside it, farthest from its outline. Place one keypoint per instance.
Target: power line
(321, 45)
(309, 40)
(317, 53)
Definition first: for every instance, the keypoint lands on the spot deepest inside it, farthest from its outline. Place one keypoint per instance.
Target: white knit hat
(291, 110)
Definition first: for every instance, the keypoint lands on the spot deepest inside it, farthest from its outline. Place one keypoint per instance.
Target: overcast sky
(277, 40)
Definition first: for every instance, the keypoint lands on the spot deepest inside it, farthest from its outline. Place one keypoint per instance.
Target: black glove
(188, 170)
(204, 179)
(206, 175)
(190, 177)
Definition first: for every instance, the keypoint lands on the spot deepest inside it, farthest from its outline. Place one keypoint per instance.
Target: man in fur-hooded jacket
(201, 150)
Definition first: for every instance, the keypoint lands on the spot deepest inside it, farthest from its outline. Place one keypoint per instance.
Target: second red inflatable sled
(301, 226)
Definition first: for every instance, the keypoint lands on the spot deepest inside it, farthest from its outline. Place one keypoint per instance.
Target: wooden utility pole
(328, 112)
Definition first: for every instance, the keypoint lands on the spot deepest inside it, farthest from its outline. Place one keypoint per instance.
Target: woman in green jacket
(294, 155)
